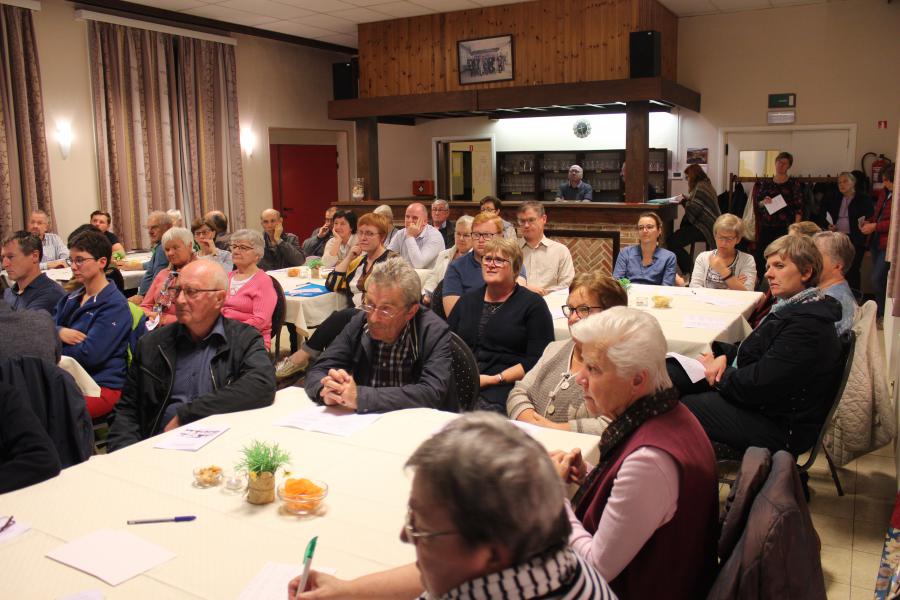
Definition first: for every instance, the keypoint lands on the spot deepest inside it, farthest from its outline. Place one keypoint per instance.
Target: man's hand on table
(173, 424)
(339, 389)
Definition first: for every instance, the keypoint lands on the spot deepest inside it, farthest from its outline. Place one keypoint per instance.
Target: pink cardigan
(253, 304)
(168, 315)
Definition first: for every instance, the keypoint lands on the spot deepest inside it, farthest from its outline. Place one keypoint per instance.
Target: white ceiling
(335, 21)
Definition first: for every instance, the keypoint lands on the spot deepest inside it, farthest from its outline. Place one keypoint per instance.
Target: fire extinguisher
(876, 170)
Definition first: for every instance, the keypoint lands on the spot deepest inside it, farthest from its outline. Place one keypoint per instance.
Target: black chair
(278, 318)
(728, 458)
(437, 300)
(465, 373)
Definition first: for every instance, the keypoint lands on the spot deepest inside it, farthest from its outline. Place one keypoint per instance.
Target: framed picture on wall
(485, 59)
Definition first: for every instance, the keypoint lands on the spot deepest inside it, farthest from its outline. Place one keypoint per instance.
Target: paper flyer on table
(703, 322)
(191, 437)
(111, 556)
(13, 531)
(271, 583)
(328, 419)
(776, 204)
(693, 367)
(85, 595)
(718, 300)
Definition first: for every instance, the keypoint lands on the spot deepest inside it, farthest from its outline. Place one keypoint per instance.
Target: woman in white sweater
(725, 268)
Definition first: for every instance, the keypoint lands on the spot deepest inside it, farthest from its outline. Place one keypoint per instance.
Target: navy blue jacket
(106, 320)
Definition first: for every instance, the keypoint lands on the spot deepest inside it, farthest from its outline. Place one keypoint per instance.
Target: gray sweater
(534, 390)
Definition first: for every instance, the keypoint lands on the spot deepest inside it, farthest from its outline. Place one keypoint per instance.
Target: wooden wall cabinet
(538, 175)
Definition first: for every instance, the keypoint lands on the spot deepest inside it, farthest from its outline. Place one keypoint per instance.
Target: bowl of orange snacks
(302, 496)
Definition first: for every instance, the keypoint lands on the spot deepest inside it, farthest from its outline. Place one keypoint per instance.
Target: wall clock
(582, 128)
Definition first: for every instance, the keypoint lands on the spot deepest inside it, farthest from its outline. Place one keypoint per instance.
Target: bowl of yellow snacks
(302, 496)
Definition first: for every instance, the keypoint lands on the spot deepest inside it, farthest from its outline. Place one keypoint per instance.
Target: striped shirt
(54, 249)
(561, 575)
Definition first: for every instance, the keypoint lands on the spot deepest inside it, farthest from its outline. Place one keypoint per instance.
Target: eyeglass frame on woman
(78, 261)
(582, 311)
(496, 261)
(240, 247)
(413, 534)
(647, 227)
(189, 293)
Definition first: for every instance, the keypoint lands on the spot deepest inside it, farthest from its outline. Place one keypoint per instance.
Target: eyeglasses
(366, 234)
(465, 236)
(722, 238)
(381, 312)
(582, 311)
(524, 222)
(413, 535)
(483, 236)
(646, 227)
(190, 293)
(488, 210)
(434, 210)
(496, 261)
(241, 248)
(79, 262)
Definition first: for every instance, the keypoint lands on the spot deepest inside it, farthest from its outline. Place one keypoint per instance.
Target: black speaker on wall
(345, 79)
(644, 47)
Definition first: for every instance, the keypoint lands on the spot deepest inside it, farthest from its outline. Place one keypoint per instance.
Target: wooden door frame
(721, 182)
(492, 138)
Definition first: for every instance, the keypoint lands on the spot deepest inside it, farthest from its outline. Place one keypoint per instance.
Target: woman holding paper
(775, 390)
(701, 208)
(777, 203)
(845, 214)
(548, 395)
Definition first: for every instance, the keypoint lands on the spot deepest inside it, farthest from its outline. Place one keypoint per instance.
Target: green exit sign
(782, 100)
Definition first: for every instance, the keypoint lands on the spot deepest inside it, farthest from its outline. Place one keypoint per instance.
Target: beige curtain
(166, 122)
(24, 166)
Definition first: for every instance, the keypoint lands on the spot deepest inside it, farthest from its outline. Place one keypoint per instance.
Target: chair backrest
(465, 373)
(278, 317)
(848, 347)
(437, 300)
(138, 329)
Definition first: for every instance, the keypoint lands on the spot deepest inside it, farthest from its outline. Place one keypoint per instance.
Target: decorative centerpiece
(625, 283)
(358, 189)
(118, 256)
(261, 462)
(314, 264)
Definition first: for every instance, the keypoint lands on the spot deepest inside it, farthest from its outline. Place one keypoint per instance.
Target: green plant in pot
(261, 461)
(314, 264)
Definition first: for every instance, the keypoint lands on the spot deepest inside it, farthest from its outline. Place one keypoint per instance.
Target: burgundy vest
(679, 559)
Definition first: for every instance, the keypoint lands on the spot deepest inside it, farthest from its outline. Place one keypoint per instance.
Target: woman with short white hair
(463, 238)
(837, 257)
(250, 297)
(509, 543)
(650, 506)
(159, 303)
(725, 268)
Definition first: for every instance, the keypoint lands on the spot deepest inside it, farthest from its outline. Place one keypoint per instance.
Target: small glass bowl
(302, 504)
(661, 301)
(208, 476)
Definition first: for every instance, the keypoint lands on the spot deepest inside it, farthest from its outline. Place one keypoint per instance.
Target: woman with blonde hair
(548, 394)
(506, 325)
(725, 268)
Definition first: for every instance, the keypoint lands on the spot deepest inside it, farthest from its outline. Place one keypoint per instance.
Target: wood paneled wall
(555, 41)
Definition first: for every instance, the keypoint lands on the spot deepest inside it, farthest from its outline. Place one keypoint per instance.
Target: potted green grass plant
(261, 461)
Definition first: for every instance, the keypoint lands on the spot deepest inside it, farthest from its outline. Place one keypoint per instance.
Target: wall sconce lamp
(248, 141)
(64, 138)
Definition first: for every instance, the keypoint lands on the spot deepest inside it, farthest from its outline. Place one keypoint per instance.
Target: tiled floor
(852, 527)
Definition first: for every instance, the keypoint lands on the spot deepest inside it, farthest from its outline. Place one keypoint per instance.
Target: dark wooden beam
(565, 94)
(680, 96)
(177, 19)
(412, 104)
(637, 150)
(397, 120)
(367, 155)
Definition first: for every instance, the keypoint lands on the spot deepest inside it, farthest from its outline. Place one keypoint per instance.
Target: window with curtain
(167, 128)
(24, 166)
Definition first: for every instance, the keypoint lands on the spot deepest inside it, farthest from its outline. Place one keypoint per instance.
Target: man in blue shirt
(575, 188)
(32, 290)
(158, 223)
(419, 243)
(55, 252)
(837, 256)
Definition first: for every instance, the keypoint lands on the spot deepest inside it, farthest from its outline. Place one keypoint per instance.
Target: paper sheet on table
(703, 322)
(14, 530)
(693, 367)
(828, 218)
(718, 300)
(111, 556)
(638, 289)
(82, 378)
(85, 595)
(529, 428)
(271, 583)
(328, 419)
(191, 437)
(776, 204)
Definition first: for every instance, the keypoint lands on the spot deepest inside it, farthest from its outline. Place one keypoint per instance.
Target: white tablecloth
(724, 313)
(219, 554)
(131, 278)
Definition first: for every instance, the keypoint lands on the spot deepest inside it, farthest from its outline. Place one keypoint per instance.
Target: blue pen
(307, 561)
(169, 520)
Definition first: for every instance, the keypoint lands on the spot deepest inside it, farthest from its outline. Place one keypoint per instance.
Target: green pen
(307, 561)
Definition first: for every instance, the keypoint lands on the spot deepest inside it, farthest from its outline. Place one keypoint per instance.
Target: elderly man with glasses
(392, 355)
(575, 188)
(202, 365)
(440, 220)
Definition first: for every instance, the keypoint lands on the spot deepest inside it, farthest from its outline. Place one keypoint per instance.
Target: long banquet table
(219, 554)
(695, 319)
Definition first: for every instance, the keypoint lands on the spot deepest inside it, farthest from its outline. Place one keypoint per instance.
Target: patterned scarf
(808, 295)
(643, 409)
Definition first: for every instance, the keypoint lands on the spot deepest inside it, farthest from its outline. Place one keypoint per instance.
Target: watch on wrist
(500, 378)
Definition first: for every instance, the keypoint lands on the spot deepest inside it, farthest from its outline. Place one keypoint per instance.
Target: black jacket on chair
(788, 368)
(58, 403)
(243, 376)
(27, 454)
(861, 206)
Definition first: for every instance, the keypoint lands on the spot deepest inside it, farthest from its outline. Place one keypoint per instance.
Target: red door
(304, 184)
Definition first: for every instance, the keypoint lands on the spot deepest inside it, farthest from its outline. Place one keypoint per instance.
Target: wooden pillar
(637, 150)
(367, 155)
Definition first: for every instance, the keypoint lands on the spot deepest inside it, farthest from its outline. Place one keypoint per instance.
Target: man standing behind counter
(575, 188)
